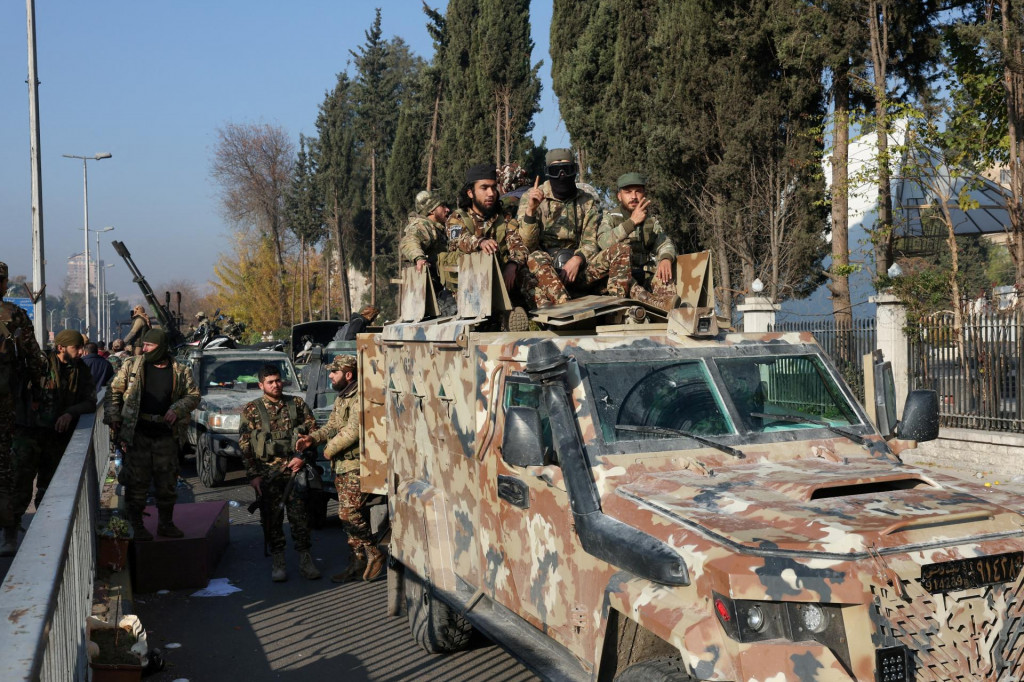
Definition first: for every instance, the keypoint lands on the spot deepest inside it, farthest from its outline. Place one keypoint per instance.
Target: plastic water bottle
(118, 461)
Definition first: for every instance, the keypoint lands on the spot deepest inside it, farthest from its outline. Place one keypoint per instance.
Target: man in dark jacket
(358, 324)
(100, 368)
(41, 435)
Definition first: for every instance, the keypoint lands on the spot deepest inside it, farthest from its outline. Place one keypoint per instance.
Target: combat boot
(138, 527)
(10, 546)
(516, 320)
(376, 562)
(278, 570)
(356, 567)
(665, 302)
(307, 568)
(166, 528)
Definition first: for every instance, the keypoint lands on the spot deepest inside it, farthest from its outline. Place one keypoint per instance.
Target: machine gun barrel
(174, 336)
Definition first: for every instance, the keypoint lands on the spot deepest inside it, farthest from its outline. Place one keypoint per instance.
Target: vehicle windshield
(231, 372)
(672, 394)
(792, 386)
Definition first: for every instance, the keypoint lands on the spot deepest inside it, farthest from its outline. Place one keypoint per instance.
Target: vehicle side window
(524, 393)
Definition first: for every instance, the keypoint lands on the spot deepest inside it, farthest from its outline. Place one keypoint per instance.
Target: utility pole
(38, 257)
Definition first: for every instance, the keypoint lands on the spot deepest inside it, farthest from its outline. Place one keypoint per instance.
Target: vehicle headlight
(224, 422)
(814, 618)
(755, 618)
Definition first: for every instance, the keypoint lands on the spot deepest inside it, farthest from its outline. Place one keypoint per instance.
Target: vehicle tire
(316, 509)
(666, 669)
(396, 589)
(209, 466)
(435, 626)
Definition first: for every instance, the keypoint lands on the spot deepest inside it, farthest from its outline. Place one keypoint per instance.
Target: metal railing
(47, 594)
(976, 372)
(845, 345)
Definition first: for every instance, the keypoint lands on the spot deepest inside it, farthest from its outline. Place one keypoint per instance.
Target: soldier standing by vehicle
(566, 221)
(341, 433)
(140, 325)
(653, 254)
(271, 426)
(21, 367)
(480, 225)
(148, 408)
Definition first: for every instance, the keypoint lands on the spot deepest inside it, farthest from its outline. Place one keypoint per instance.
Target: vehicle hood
(819, 506)
(228, 401)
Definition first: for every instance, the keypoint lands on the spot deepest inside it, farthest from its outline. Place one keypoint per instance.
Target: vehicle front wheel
(210, 466)
(666, 669)
(436, 627)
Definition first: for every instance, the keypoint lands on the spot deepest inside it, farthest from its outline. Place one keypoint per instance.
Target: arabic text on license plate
(963, 574)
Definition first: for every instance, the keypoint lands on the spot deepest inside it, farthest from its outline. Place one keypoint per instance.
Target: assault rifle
(174, 336)
(266, 511)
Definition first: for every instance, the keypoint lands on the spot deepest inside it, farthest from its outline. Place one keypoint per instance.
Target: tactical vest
(269, 445)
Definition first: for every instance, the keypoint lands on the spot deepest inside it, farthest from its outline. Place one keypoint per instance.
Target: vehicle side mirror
(522, 443)
(920, 417)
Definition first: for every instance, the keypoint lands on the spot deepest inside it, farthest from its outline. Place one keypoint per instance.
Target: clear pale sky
(150, 83)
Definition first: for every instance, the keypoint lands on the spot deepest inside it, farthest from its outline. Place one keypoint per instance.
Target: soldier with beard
(341, 433)
(652, 251)
(480, 225)
(567, 221)
(148, 408)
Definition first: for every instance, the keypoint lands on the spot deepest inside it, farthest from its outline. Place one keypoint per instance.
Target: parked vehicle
(227, 380)
(676, 502)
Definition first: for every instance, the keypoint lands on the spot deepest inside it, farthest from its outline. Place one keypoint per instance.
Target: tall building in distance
(76, 273)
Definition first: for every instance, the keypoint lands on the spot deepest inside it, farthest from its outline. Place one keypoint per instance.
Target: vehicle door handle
(514, 491)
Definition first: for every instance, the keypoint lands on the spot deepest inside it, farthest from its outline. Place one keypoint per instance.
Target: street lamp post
(100, 283)
(85, 194)
(101, 302)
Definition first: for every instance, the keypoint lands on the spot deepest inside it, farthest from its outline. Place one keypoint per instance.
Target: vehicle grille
(975, 634)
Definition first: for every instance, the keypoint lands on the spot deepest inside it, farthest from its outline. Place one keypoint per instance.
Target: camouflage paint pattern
(776, 526)
(372, 393)
(298, 518)
(152, 459)
(280, 420)
(541, 284)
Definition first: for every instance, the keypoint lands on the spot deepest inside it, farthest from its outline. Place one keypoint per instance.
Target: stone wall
(996, 455)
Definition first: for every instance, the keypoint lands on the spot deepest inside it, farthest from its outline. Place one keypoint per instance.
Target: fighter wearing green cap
(148, 408)
(652, 253)
(21, 368)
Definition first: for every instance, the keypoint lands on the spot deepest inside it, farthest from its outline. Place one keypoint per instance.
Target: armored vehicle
(672, 501)
(227, 380)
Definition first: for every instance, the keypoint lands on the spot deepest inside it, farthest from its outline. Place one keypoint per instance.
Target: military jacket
(65, 388)
(140, 325)
(341, 432)
(125, 396)
(280, 420)
(423, 238)
(21, 361)
(648, 242)
(466, 230)
(559, 224)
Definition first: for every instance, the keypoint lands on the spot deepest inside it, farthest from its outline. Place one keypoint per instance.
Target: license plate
(964, 574)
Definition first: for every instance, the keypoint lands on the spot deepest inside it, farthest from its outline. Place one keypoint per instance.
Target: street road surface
(297, 630)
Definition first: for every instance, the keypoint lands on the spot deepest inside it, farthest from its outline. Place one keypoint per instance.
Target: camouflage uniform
(466, 230)
(341, 434)
(153, 452)
(649, 245)
(261, 465)
(140, 325)
(569, 225)
(66, 388)
(21, 366)
(426, 239)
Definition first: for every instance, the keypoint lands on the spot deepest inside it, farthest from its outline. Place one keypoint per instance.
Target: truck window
(524, 393)
(672, 394)
(227, 373)
(792, 385)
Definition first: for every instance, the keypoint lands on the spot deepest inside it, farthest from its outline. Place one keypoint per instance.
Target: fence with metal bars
(975, 370)
(845, 344)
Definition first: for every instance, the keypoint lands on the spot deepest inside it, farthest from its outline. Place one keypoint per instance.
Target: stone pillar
(758, 314)
(890, 319)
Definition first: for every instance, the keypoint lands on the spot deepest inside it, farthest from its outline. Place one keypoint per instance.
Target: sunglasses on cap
(561, 170)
